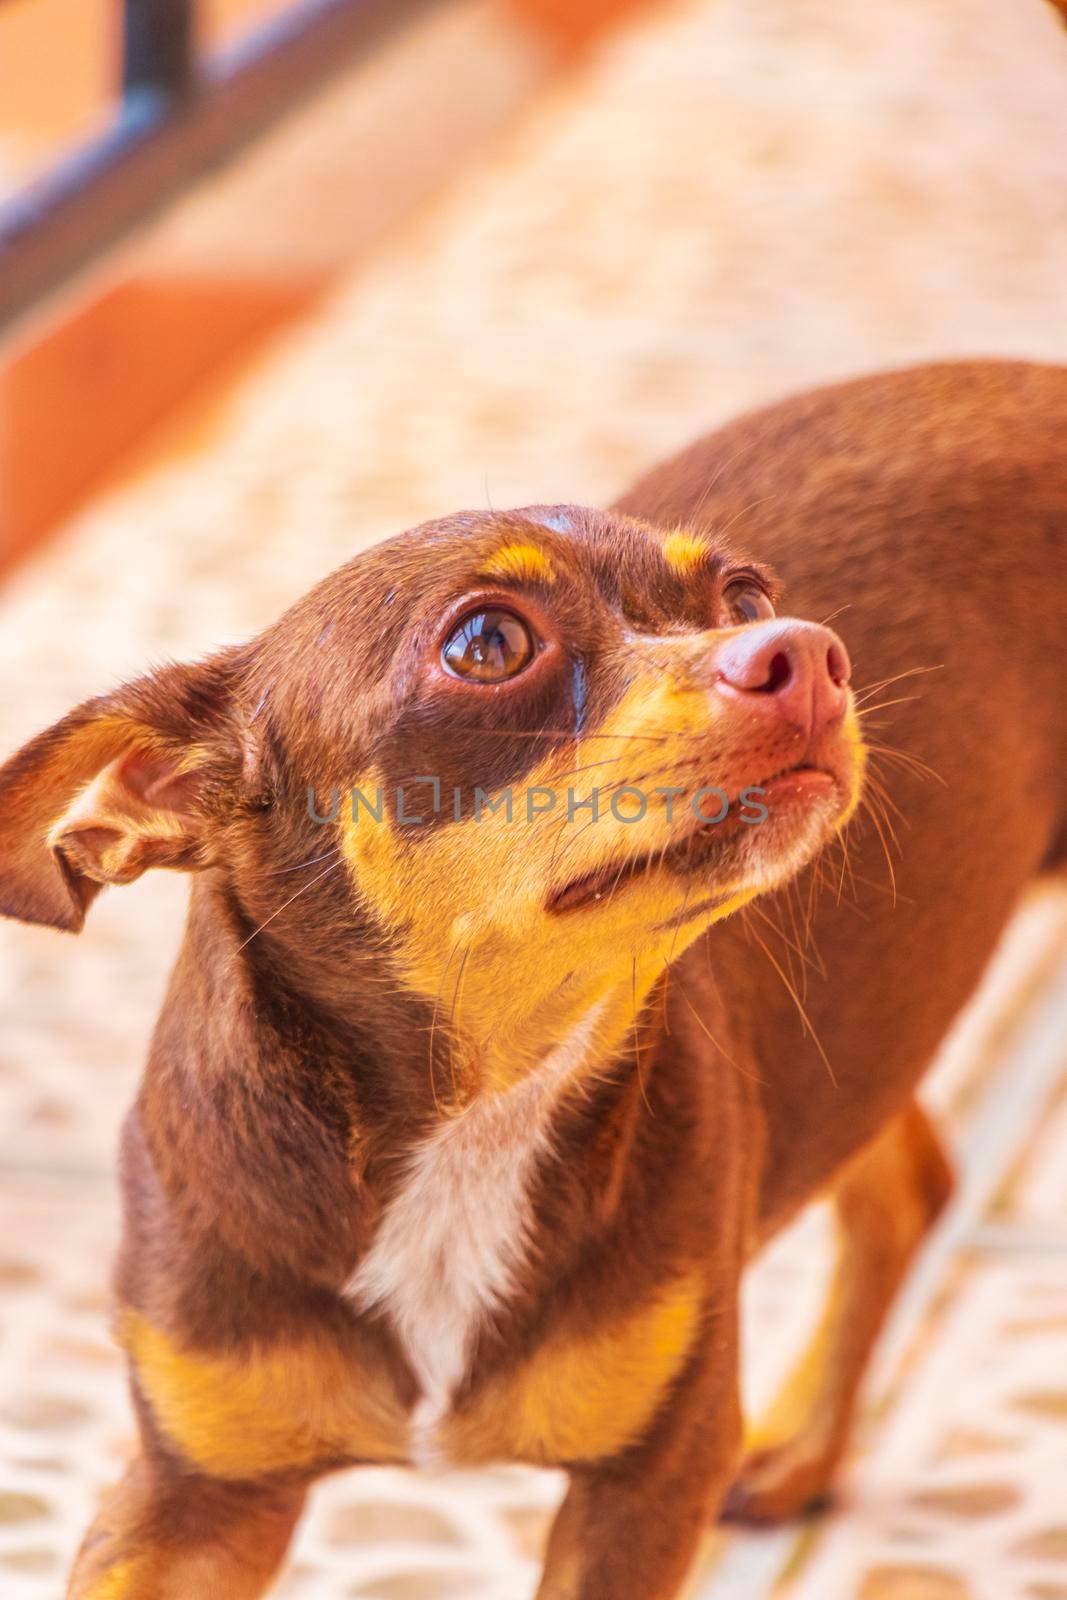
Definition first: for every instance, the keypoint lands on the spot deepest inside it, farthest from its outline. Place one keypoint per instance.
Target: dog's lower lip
(580, 891)
(800, 782)
(794, 784)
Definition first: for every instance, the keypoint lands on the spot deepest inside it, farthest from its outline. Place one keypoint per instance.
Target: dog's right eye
(488, 647)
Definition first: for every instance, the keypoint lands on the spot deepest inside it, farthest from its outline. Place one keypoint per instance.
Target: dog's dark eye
(743, 600)
(488, 646)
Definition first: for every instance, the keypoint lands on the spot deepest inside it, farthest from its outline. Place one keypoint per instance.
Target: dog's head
(528, 755)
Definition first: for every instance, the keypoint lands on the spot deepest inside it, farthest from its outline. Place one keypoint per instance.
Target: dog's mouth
(794, 789)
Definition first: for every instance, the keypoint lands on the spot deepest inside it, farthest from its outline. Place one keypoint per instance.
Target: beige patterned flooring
(733, 200)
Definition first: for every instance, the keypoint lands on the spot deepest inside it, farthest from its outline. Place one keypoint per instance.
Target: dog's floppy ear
(128, 781)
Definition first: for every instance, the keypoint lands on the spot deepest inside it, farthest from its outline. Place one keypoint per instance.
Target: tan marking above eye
(488, 646)
(685, 551)
(520, 563)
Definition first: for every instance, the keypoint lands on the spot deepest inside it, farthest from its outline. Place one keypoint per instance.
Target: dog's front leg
(164, 1534)
(886, 1201)
(629, 1528)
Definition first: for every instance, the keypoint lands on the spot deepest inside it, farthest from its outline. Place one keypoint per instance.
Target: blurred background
(279, 279)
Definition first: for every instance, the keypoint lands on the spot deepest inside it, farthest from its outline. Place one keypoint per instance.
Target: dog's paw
(779, 1482)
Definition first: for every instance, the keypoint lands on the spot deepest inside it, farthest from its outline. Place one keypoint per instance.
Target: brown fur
(320, 1027)
(932, 505)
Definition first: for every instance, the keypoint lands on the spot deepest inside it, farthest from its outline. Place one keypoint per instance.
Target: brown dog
(432, 1158)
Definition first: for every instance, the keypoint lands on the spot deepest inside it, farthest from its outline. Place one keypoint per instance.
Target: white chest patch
(456, 1234)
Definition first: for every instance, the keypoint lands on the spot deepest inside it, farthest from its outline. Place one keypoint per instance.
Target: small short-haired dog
(447, 1150)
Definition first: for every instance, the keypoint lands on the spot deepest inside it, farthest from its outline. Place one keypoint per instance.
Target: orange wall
(58, 64)
(59, 68)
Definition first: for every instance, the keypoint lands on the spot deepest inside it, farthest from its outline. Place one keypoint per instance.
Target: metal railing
(178, 115)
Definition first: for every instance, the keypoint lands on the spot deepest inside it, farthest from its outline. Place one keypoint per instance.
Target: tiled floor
(731, 201)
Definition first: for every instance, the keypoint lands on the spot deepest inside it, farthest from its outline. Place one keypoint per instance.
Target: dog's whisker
(569, 734)
(593, 766)
(869, 806)
(863, 692)
(291, 900)
(706, 1031)
(637, 1037)
(905, 758)
(433, 1030)
(884, 705)
(311, 862)
(809, 1027)
(776, 928)
(679, 920)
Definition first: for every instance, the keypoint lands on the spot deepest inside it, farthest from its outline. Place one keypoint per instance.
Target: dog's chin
(804, 809)
(790, 837)
(753, 859)
(741, 854)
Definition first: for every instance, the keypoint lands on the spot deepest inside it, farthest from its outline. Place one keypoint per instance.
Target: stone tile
(425, 1583)
(65, 1424)
(911, 1583)
(1038, 1196)
(990, 1520)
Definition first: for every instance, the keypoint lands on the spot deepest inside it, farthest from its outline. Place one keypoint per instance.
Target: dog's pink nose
(795, 670)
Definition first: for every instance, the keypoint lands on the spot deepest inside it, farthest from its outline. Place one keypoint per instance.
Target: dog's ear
(135, 779)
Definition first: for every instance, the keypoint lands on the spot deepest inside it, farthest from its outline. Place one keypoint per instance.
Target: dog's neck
(501, 1033)
(398, 1059)
(305, 1092)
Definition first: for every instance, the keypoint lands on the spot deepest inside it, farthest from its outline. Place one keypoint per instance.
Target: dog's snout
(795, 670)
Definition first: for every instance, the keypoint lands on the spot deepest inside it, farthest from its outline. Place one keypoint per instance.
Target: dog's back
(926, 512)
